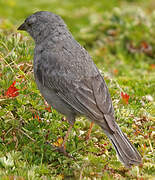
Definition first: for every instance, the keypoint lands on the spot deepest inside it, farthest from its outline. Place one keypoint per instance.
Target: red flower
(48, 108)
(125, 97)
(115, 71)
(36, 116)
(144, 45)
(152, 66)
(12, 91)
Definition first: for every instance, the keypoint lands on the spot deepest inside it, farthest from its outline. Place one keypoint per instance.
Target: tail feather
(127, 153)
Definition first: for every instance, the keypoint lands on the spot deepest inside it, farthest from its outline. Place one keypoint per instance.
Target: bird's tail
(127, 153)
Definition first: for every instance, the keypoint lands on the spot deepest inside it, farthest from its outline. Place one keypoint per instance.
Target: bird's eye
(29, 23)
(31, 20)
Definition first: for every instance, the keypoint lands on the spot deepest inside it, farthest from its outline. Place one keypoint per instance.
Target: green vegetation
(120, 36)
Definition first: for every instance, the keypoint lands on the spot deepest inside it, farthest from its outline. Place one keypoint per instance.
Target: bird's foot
(60, 149)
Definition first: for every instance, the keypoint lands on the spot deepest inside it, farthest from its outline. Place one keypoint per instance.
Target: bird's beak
(22, 27)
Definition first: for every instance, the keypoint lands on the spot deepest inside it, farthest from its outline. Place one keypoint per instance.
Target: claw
(60, 149)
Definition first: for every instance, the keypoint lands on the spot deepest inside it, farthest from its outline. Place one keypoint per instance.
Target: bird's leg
(66, 137)
(62, 148)
(89, 131)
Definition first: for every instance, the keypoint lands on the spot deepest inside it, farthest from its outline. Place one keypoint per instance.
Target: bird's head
(41, 23)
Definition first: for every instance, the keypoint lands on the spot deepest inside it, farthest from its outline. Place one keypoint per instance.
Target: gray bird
(70, 81)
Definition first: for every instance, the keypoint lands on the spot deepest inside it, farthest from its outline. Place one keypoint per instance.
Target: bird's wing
(94, 94)
(88, 96)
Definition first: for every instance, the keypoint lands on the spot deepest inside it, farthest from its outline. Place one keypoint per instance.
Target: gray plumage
(70, 81)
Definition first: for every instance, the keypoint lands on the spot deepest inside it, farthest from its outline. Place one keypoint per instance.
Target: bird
(71, 83)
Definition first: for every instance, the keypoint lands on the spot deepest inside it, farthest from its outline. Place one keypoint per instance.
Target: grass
(120, 37)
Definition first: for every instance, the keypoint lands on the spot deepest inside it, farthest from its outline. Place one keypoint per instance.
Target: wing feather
(87, 96)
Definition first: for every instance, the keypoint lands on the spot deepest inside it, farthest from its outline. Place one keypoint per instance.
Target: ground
(120, 36)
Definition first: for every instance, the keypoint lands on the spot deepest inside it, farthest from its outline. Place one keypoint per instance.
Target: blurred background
(76, 13)
(120, 36)
(90, 21)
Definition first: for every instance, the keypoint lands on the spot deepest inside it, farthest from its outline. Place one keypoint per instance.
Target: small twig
(150, 145)
(9, 64)
(8, 131)
(26, 135)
